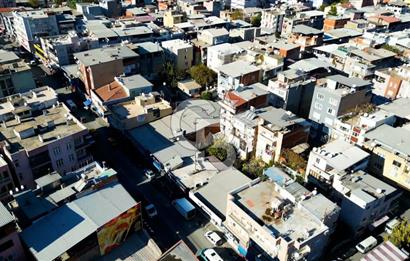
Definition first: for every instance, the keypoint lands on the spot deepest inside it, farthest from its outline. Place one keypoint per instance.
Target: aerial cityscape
(212, 130)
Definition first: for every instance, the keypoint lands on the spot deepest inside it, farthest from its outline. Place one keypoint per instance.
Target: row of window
(330, 110)
(332, 101)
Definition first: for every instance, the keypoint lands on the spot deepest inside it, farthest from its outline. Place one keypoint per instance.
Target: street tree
(400, 235)
(203, 75)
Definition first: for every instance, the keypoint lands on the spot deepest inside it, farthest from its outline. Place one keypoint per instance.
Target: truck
(185, 208)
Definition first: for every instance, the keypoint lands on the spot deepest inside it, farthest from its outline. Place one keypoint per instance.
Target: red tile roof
(238, 101)
(112, 91)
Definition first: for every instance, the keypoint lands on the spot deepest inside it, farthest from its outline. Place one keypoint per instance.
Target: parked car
(213, 237)
(366, 245)
(149, 174)
(210, 254)
(151, 210)
(391, 225)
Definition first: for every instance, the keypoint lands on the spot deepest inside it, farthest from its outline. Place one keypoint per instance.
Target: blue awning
(87, 102)
(157, 165)
(242, 251)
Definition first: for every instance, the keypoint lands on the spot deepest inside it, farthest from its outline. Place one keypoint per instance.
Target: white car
(211, 255)
(149, 173)
(213, 237)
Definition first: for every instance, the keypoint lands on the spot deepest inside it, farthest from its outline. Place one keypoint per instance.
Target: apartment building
(15, 74)
(214, 36)
(312, 18)
(272, 19)
(10, 244)
(333, 160)
(120, 90)
(337, 96)
(7, 182)
(355, 125)
(30, 25)
(279, 219)
(150, 58)
(364, 63)
(392, 83)
(59, 50)
(363, 199)
(389, 148)
(277, 130)
(305, 36)
(222, 54)
(143, 109)
(98, 67)
(292, 90)
(172, 17)
(179, 52)
(37, 142)
(334, 22)
(241, 100)
(233, 74)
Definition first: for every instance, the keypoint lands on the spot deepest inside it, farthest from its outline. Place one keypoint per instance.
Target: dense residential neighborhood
(205, 130)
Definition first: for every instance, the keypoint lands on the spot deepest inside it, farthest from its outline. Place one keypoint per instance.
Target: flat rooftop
(59, 116)
(365, 187)
(238, 68)
(395, 139)
(8, 57)
(180, 251)
(131, 109)
(399, 107)
(103, 55)
(133, 82)
(259, 197)
(341, 155)
(214, 194)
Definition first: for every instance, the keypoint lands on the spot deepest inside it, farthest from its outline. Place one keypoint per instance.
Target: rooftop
(180, 251)
(341, 155)
(111, 91)
(63, 228)
(372, 54)
(278, 118)
(310, 64)
(295, 223)
(176, 44)
(215, 32)
(146, 47)
(55, 123)
(351, 82)
(238, 68)
(8, 57)
(215, 192)
(134, 82)
(5, 216)
(399, 107)
(394, 139)
(305, 30)
(189, 84)
(105, 54)
(363, 187)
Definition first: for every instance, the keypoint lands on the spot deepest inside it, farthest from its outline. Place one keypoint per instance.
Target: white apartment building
(179, 52)
(272, 19)
(29, 26)
(363, 199)
(333, 160)
(280, 220)
(222, 54)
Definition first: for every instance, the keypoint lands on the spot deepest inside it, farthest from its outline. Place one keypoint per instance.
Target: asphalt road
(169, 226)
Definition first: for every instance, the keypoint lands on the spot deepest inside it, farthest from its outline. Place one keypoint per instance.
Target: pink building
(10, 245)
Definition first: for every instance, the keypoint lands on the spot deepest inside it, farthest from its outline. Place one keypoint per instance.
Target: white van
(391, 225)
(366, 245)
(211, 255)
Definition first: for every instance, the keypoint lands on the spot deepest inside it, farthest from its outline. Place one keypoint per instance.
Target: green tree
(58, 2)
(71, 3)
(202, 75)
(237, 15)
(400, 235)
(333, 10)
(254, 167)
(322, 7)
(256, 20)
(293, 160)
(392, 48)
(33, 3)
(219, 149)
(171, 75)
(206, 95)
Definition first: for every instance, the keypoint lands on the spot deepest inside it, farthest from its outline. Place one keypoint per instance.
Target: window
(318, 106)
(333, 101)
(6, 245)
(71, 157)
(317, 160)
(396, 163)
(60, 163)
(69, 146)
(57, 150)
(331, 111)
(320, 96)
